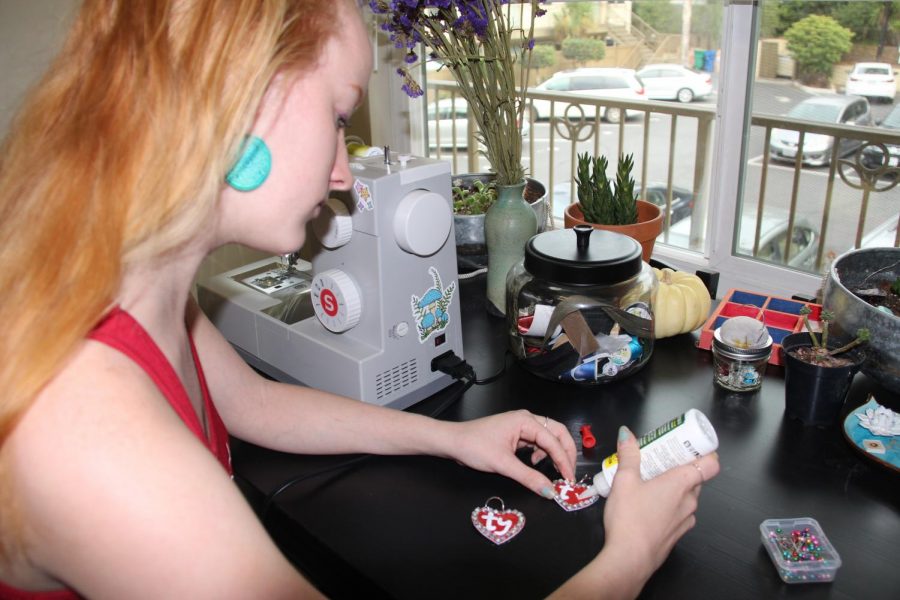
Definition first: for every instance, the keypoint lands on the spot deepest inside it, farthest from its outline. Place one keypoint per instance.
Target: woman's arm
(120, 500)
(303, 420)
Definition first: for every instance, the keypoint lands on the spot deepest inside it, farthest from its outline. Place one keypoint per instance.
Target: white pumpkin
(681, 304)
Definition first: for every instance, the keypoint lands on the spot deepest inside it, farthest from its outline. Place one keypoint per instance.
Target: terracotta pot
(645, 231)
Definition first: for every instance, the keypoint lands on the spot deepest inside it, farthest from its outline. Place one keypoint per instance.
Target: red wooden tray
(781, 316)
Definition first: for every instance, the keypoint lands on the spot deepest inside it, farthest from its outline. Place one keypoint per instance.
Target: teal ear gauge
(252, 168)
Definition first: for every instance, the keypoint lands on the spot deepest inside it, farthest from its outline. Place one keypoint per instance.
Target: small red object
(587, 438)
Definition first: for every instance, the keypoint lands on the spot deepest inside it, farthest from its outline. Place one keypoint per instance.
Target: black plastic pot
(814, 394)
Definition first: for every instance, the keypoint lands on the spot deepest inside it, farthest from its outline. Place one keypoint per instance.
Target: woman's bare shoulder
(99, 397)
(98, 428)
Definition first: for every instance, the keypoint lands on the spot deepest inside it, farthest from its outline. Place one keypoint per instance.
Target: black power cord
(448, 363)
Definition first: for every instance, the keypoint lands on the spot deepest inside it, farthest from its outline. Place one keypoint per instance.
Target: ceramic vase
(508, 225)
(645, 231)
(471, 249)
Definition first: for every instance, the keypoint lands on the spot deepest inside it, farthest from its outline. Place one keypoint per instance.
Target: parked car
(772, 238)
(448, 113)
(872, 80)
(674, 82)
(600, 82)
(873, 156)
(817, 148)
(682, 199)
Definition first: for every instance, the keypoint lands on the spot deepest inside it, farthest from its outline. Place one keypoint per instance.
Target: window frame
(400, 123)
(737, 66)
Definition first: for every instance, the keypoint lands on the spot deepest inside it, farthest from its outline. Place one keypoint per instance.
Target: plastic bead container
(579, 306)
(778, 537)
(739, 369)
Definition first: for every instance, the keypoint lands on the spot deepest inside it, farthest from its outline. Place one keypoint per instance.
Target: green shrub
(582, 50)
(817, 43)
(542, 56)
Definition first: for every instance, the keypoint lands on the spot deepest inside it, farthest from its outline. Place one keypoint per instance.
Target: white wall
(31, 32)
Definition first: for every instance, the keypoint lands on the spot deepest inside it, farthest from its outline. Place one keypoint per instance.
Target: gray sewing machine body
(375, 305)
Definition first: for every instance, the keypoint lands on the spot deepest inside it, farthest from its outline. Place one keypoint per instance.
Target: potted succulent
(817, 372)
(473, 194)
(481, 45)
(613, 206)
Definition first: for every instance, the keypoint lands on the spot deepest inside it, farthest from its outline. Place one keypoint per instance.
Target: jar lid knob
(583, 233)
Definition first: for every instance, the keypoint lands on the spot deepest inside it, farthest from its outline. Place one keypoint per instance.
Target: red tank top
(119, 330)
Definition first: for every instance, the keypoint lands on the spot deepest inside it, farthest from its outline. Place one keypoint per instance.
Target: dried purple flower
(476, 39)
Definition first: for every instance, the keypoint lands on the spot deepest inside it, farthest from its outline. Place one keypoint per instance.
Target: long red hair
(118, 155)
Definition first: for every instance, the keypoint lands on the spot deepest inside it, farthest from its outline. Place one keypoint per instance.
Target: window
(733, 186)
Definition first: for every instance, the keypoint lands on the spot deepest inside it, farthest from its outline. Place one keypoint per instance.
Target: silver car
(817, 148)
(772, 239)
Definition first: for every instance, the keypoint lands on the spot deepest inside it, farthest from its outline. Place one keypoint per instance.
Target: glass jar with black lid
(579, 306)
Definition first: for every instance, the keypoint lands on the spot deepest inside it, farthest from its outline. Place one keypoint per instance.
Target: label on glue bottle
(674, 443)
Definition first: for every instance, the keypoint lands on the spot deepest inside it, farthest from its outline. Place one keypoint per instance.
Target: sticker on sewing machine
(431, 310)
(363, 195)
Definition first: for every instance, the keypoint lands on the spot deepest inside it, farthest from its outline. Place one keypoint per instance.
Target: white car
(872, 80)
(674, 82)
(599, 82)
(450, 115)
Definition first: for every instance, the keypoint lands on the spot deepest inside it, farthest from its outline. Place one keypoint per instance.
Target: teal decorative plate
(879, 448)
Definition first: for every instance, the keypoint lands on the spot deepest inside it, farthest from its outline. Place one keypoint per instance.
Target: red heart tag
(567, 495)
(499, 526)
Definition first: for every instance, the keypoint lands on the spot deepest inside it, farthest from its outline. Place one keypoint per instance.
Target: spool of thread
(363, 151)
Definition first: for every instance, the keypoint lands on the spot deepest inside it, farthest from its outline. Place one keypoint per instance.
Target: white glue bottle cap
(695, 435)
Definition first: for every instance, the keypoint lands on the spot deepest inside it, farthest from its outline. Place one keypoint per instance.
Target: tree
(817, 43)
(574, 21)
(862, 18)
(582, 50)
(664, 17)
(706, 23)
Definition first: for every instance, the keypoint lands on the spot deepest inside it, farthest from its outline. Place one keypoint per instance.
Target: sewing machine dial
(336, 300)
(334, 225)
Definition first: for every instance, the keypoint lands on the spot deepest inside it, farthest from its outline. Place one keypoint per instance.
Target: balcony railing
(672, 144)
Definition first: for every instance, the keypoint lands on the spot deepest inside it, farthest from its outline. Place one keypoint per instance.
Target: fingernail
(547, 492)
(623, 433)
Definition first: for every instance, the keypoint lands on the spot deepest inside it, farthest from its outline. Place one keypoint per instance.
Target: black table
(399, 526)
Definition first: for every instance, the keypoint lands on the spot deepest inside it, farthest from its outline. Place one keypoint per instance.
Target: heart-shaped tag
(499, 526)
(567, 493)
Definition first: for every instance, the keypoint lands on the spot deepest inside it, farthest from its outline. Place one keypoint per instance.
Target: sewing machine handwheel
(336, 300)
(423, 222)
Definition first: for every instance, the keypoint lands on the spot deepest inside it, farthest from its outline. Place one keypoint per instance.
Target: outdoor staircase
(649, 45)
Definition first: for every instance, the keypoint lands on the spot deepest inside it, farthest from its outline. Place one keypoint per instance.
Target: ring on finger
(699, 470)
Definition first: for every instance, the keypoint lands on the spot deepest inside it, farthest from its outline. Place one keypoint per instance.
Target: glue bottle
(677, 442)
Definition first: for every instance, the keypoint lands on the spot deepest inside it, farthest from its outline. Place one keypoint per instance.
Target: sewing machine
(375, 305)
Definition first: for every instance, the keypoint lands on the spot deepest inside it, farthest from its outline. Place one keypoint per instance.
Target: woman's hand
(644, 519)
(490, 445)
